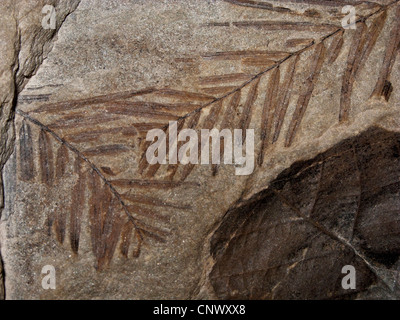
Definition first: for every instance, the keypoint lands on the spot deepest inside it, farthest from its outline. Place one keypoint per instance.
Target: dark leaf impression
(292, 240)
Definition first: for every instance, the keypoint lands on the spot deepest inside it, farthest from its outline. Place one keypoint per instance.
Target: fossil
(81, 194)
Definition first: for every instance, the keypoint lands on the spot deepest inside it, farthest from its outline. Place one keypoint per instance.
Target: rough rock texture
(24, 45)
(323, 103)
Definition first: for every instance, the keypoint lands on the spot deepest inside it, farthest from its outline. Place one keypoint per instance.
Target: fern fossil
(278, 95)
(105, 203)
(228, 100)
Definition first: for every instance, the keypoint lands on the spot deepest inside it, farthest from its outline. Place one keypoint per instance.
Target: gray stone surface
(25, 43)
(79, 194)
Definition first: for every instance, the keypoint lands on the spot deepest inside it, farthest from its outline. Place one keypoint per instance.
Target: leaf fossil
(340, 208)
